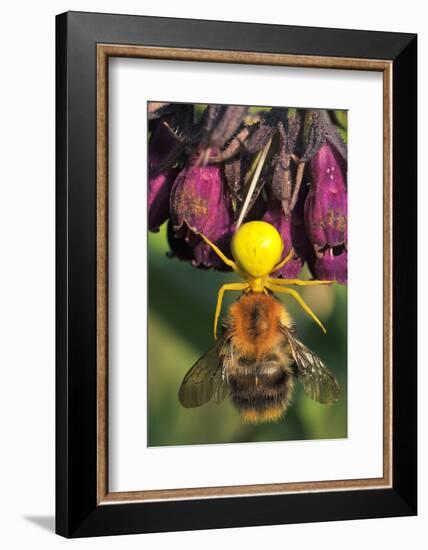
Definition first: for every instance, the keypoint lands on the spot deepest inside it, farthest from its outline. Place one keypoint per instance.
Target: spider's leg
(220, 254)
(297, 282)
(228, 286)
(284, 261)
(299, 300)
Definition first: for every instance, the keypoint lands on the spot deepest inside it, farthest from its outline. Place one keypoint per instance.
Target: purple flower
(159, 191)
(179, 247)
(286, 226)
(220, 234)
(326, 215)
(161, 146)
(330, 267)
(200, 204)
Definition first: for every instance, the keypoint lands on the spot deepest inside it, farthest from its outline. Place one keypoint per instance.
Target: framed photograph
(236, 274)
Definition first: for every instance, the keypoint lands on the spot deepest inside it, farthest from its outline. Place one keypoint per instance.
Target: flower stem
(299, 177)
(253, 184)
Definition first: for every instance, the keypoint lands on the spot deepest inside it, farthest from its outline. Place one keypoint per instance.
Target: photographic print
(247, 326)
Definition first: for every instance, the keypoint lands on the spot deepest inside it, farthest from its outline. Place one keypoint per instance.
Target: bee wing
(221, 388)
(319, 382)
(205, 379)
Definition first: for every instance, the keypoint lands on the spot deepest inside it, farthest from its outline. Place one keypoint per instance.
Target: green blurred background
(182, 301)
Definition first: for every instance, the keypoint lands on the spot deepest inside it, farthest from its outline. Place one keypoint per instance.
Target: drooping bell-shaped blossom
(200, 204)
(326, 215)
(284, 224)
(159, 192)
(161, 146)
(220, 234)
(331, 265)
(195, 197)
(178, 245)
(326, 203)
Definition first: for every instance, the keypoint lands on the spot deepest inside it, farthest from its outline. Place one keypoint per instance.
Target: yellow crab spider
(257, 249)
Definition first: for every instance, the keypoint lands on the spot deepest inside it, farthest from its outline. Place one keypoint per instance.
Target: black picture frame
(78, 513)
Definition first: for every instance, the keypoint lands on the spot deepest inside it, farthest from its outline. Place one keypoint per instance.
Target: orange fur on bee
(255, 323)
(252, 416)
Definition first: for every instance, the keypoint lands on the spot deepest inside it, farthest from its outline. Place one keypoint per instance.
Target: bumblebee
(257, 357)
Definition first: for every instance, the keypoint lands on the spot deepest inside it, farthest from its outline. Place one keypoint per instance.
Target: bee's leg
(220, 254)
(284, 261)
(297, 282)
(228, 286)
(299, 300)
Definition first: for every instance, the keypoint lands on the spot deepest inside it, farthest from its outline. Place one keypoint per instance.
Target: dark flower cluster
(213, 167)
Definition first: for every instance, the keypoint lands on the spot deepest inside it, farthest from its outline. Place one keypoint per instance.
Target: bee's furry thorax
(255, 321)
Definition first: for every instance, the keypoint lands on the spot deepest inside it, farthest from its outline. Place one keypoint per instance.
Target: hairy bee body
(256, 361)
(259, 367)
(261, 390)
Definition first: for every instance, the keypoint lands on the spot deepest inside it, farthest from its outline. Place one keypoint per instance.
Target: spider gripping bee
(257, 357)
